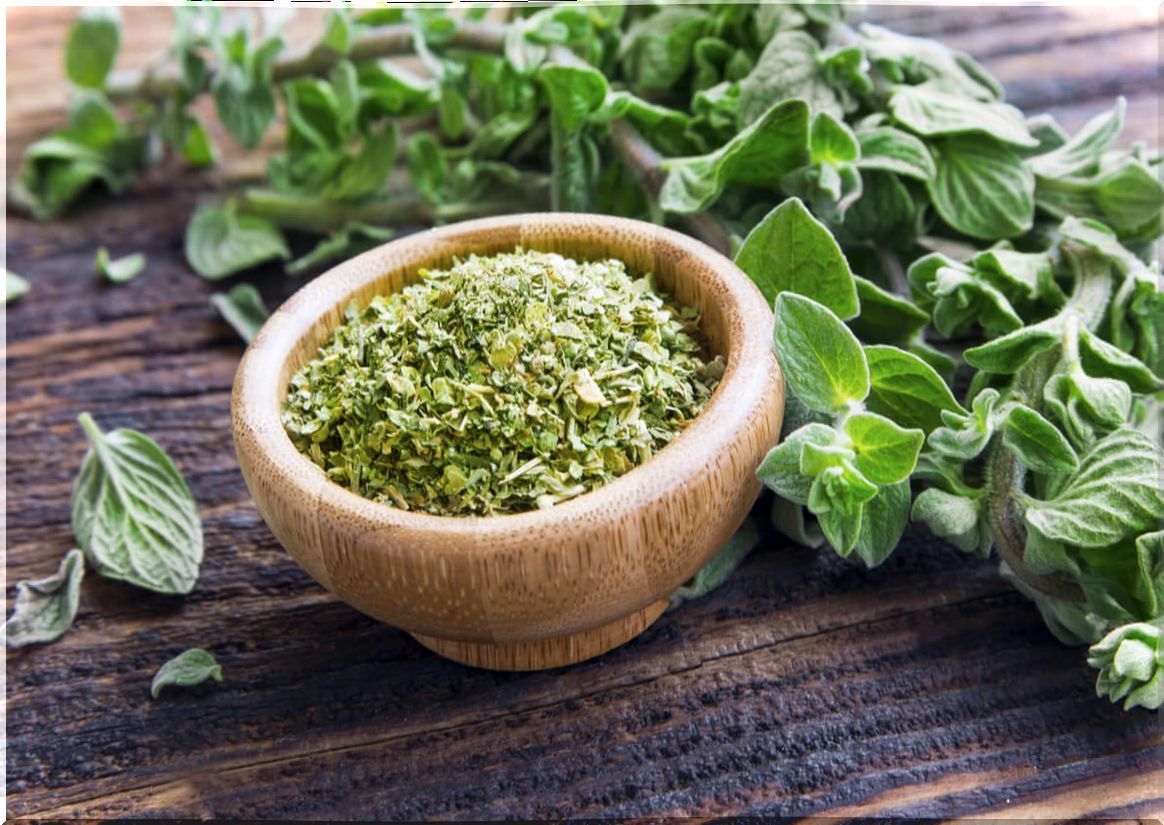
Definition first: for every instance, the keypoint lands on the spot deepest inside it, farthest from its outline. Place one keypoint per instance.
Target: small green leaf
(964, 436)
(885, 318)
(197, 148)
(886, 453)
(1085, 406)
(780, 471)
(14, 286)
(1005, 355)
(837, 499)
(933, 113)
(786, 68)
(790, 250)
(220, 243)
(831, 141)
(1130, 661)
(428, 166)
(243, 309)
(1037, 443)
(94, 41)
(892, 150)
(1115, 494)
(907, 389)
(982, 188)
(759, 155)
(45, 608)
(575, 93)
(351, 240)
(821, 359)
(120, 270)
(883, 523)
(722, 565)
(957, 519)
(193, 667)
(133, 514)
(337, 32)
(1101, 359)
(1081, 154)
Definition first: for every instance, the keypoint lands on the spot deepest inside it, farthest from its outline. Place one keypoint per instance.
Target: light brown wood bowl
(543, 588)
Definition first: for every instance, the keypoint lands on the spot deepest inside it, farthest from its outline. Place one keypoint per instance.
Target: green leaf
(656, 50)
(575, 93)
(1087, 407)
(14, 286)
(722, 565)
(790, 250)
(831, 141)
(94, 40)
(821, 359)
(243, 92)
(197, 148)
(959, 520)
(959, 297)
(45, 608)
(1114, 494)
(933, 113)
(787, 68)
(883, 523)
(1037, 443)
(193, 667)
(220, 243)
(892, 150)
(780, 470)
(789, 518)
(119, 270)
(886, 453)
(885, 317)
(1005, 355)
(906, 59)
(427, 166)
(759, 155)
(886, 214)
(964, 436)
(1130, 660)
(982, 188)
(1026, 274)
(1149, 585)
(1101, 359)
(837, 499)
(1081, 154)
(907, 389)
(243, 309)
(133, 514)
(349, 241)
(337, 32)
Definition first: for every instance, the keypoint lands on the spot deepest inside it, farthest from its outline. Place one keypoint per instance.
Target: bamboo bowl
(543, 588)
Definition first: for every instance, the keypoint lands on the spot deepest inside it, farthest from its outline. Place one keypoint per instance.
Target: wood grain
(805, 687)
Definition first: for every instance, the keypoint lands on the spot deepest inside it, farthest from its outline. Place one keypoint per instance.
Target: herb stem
(314, 214)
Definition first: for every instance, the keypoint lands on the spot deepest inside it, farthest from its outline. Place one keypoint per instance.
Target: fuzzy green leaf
(193, 667)
(957, 519)
(243, 309)
(133, 514)
(45, 608)
(1037, 443)
(790, 250)
(220, 243)
(907, 389)
(821, 359)
(722, 564)
(933, 113)
(892, 150)
(780, 471)
(886, 453)
(982, 188)
(1115, 494)
(1081, 154)
(883, 523)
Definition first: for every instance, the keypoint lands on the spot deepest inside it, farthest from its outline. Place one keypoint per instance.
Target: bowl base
(557, 651)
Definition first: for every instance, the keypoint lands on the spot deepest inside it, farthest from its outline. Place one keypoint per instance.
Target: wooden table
(806, 685)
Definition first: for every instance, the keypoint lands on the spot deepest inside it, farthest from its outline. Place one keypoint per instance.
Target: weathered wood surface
(924, 688)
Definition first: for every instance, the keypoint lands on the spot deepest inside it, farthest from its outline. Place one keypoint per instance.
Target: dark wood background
(806, 685)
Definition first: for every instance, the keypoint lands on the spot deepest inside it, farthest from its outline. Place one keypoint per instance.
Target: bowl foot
(557, 651)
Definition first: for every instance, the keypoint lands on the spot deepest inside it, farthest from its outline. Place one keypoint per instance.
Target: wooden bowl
(543, 588)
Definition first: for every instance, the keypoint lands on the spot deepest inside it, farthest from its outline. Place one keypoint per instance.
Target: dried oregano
(501, 384)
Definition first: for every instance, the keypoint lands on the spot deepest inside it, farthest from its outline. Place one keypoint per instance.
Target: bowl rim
(747, 351)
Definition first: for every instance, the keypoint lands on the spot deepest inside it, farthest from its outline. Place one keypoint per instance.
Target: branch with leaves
(967, 309)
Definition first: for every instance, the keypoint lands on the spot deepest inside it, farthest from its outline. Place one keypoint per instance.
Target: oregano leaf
(243, 309)
(821, 359)
(886, 453)
(220, 243)
(1037, 443)
(119, 270)
(133, 514)
(192, 667)
(45, 608)
(906, 389)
